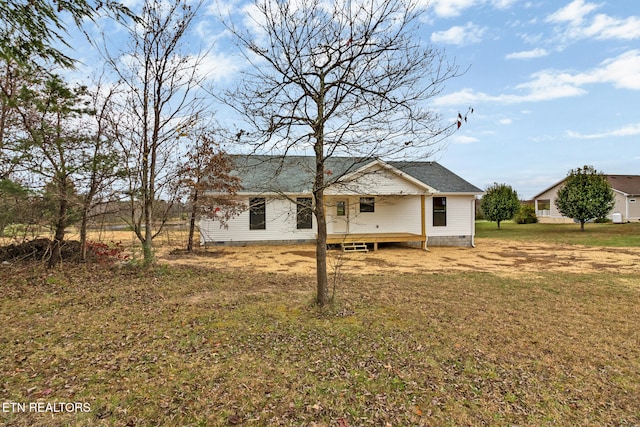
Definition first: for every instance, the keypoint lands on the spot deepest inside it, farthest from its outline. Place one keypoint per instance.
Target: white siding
(376, 181)
(552, 215)
(633, 203)
(628, 206)
(280, 225)
(460, 216)
(392, 214)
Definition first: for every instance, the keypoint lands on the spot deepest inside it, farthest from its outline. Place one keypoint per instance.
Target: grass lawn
(605, 234)
(194, 346)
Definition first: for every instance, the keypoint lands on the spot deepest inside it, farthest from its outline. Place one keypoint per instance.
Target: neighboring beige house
(626, 189)
(367, 201)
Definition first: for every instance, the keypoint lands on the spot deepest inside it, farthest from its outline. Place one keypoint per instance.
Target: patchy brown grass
(512, 332)
(221, 345)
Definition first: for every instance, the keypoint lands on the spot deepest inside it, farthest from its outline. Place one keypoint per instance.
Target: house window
(341, 208)
(367, 204)
(544, 204)
(439, 211)
(304, 217)
(257, 213)
(632, 200)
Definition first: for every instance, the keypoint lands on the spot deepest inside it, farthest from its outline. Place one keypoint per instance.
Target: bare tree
(99, 159)
(159, 107)
(339, 78)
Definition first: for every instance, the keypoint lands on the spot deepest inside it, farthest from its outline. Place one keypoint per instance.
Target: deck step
(354, 247)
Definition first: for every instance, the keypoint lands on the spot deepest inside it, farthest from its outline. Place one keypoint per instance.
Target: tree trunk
(83, 234)
(192, 221)
(581, 225)
(58, 237)
(322, 297)
(147, 243)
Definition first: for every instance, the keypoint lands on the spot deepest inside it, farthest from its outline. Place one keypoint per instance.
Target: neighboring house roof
(295, 174)
(629, 185)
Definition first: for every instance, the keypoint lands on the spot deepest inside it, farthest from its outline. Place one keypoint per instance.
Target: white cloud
(505, 121)
(463, 139)
(550, 84)
(458, 35)
(601, 26)
(606, 27)
(572, 13)
(528, 54)
(453, 8)
(502, 4)
(622, 72)
(220, 67)
(629, 130)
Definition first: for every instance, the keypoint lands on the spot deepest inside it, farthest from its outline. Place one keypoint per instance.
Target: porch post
(423, 221)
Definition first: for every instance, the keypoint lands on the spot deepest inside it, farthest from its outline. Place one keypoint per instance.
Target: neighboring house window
(257, 213)
(304, 217)
(439, 211)
(367, 204)
(341, 208)
(632, 200)
(544, 207)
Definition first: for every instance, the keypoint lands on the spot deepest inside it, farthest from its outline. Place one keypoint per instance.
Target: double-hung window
(304, 217)
(257, 213)
(439, 211)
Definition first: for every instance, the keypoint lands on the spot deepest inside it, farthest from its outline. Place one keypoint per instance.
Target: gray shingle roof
(295, 174)
(437, 176)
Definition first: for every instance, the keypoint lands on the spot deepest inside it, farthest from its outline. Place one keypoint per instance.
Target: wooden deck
(374, 238)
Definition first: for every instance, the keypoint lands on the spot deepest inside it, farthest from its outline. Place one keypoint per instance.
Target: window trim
(304, 213)
(367, 204)
(257, 213)
(439, 211)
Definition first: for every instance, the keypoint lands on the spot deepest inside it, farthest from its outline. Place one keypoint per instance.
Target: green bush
(603, 220)
(526, 215)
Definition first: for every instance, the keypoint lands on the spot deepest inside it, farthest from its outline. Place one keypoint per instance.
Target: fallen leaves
(183, 346)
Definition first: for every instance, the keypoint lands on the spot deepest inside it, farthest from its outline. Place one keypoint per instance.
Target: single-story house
(367, 201)
(626, 189)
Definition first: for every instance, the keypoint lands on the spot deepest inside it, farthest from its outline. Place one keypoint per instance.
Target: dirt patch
(488, 255)
(306, 254)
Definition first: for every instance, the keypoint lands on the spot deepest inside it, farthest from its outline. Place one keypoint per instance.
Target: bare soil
(491, 255)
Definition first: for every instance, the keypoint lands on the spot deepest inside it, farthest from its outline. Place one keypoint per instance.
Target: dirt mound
(39, 250)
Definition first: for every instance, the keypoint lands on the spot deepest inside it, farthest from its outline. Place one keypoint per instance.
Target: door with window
(341, 217)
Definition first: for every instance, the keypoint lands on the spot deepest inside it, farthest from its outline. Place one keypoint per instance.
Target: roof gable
(383, 174)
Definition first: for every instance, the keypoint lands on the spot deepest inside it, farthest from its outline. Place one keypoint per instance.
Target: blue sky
(554, 84)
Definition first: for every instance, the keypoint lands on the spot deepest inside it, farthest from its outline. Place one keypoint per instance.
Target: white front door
(341, 217)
